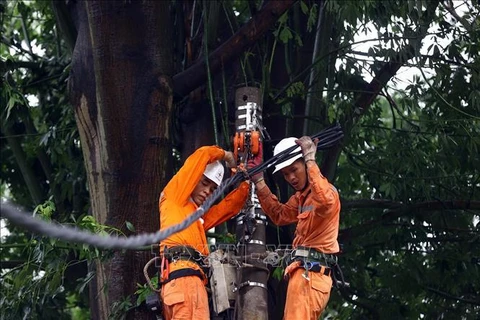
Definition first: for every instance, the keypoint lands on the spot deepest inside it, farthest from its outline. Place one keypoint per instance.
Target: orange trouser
(185, 298)
(306, 299)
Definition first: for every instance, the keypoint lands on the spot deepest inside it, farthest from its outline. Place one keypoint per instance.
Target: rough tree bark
(120, 86)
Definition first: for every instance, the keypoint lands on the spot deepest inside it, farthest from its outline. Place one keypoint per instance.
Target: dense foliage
(401, 77)
(41, 165)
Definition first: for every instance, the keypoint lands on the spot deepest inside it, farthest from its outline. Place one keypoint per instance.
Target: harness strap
(309, 267)
(317, 267)
(185, 253)
(184, 273)
(182, 252)
(311, 254)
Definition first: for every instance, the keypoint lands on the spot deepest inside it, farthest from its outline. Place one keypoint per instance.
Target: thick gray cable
(73, 234)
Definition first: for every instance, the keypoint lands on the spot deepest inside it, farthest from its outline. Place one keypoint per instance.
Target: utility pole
(252, 273)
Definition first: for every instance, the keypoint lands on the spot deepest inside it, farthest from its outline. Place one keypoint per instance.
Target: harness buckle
(305, 275)
(301, 253)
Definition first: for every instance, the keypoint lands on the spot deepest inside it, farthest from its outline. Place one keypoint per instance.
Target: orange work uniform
(186, 297)
(316, 210)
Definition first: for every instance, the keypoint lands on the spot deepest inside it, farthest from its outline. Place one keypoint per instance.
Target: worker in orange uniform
(183, 280)
(315, 207)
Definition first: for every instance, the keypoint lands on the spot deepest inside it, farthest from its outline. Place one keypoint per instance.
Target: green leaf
(312, 18)
(304, 7)
(130, 226)
(298, 40)
(283, 18)
(278, 273)
(85, 281)
(11, 103)
(285, 35)
(287, 109)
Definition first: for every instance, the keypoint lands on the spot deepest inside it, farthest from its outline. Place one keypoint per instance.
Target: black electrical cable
(327, 138)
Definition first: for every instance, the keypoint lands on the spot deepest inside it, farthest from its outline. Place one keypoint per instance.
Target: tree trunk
(120, 85)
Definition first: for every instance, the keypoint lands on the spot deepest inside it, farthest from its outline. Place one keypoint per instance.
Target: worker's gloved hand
(229, 159)
(255, 161)
(309, 147)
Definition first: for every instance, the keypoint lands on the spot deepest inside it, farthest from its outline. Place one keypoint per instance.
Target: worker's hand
(229, 159)
(255, 161)
(309, 147)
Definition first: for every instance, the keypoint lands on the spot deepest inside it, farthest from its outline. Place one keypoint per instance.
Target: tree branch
(193, 77)
(389, 69)
(12, 43)
(10, 264)
(396, 210)
(65, 22)
(452, 297)
(366, 203)
(425, 206)
(450, 8)
(29, 175)
(12, 65)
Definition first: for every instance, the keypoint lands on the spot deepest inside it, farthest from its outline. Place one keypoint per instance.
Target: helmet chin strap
(306, 178)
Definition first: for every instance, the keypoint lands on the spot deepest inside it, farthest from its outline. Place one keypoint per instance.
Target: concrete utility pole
(252, 273)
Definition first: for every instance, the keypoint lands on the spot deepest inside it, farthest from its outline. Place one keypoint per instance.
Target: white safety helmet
(214, 172)
(284, 144)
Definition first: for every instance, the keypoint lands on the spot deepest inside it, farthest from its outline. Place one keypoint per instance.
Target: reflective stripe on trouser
(185, 298)
(306, 299)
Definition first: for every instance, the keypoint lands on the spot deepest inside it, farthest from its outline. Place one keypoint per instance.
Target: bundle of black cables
(327, 138)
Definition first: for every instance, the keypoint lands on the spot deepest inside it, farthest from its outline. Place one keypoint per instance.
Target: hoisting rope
(327, 137)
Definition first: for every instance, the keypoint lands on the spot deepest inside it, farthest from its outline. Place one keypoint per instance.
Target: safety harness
(186, 253)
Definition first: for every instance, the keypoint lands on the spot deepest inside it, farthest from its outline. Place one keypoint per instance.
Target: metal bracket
(251, 284)
(252, 117)
(273, 259)
(239, 223)
(256, 216)
(256, 242)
